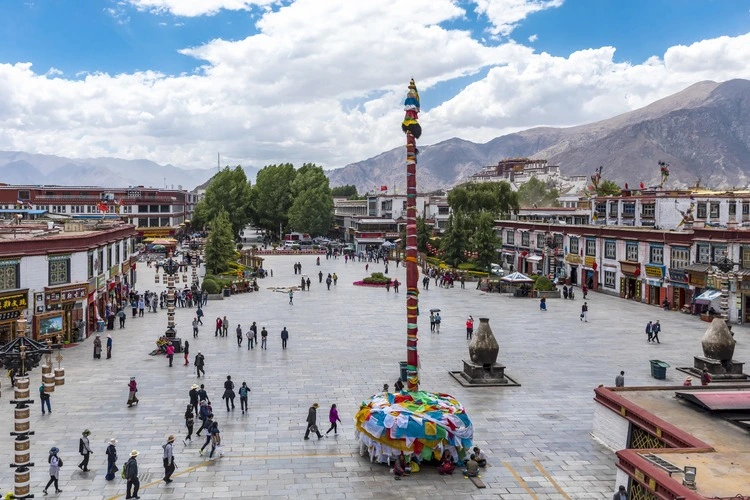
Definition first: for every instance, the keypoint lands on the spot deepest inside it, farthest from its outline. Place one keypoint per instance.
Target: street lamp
(21, 355)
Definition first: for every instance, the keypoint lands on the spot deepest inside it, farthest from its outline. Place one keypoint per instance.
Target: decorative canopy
(517, 277)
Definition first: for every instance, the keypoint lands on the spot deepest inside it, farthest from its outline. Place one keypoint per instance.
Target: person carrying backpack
(215, 441)
(130, 474)
(54, 469)
(244, 389)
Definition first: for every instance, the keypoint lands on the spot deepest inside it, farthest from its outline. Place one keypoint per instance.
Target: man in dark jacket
(284, 337)
(194, 397)
(131, 474)
(312, 422)
(200, 360)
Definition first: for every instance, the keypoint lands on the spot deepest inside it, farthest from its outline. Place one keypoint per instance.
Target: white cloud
(504, 15)
(533, 38)
(192, 8)
(325, 82)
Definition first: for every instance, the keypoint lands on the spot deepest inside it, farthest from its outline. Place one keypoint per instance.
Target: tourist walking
(208, 425)
(170, 353)
(206, 416)
(193, 396)
(218, 330)
(224, 327)
(244, 389)
(263, 335)
(437, 322)
(54, 469)
(333, 417)
(312, 422)
(141, 306)
(655, 329)
(622, 494)
(84, 448)
(203, 395)
(228, 392)
(284, 337)
(111, 453)
(44, 397)
(239, 335)
(189, 423)
(109, 346)
(131, 475)
(432, 321)
(291, 297)
(195, 327)
(395, 285)
(199, 362)
(254, 329)
(199, 315)
(132, 389)
(585, 312)
(186, 352)
(123, 316)
(469, 328)
(649, 330)
(620, 380)
(168, 459)
(215, 440)
(249, 336)
(98, 347)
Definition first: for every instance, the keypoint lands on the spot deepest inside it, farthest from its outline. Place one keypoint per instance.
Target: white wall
(610, 428)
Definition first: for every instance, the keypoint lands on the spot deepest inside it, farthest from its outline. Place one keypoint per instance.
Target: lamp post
(171, 267)
(22, 354)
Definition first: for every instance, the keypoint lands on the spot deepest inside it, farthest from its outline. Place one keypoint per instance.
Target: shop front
(97, 303)
(573, 260)
(678, 290)
(655, 291)
(590, 276)
(13, 303)
(630, 281)
(697, 281)
(62, 313)
(743, 292)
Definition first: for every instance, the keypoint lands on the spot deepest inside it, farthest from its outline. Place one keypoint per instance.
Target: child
(479, 457)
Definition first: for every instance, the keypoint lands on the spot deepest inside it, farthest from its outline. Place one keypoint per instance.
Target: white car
(497, 270)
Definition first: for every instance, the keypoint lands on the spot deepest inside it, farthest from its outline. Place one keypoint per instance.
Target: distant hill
(702, 131)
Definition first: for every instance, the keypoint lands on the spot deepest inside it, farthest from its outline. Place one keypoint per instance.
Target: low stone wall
(215, 296)
(547, 295)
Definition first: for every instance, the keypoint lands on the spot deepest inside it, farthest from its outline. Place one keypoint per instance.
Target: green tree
(272, 196)
(312, 206)
(607, 187)
(485, 240)
(494, 197)
(348, 190)
(538, 193)
(220, 244)
(454, 240)
(229, 190)
(424, 233)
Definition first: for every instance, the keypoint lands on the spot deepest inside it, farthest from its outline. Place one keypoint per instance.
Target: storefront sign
(573, 258)
(114, 271)
(100, 281)
(153, 232)
(677, 275)
(630, 268)
(66, 294)
(11, 304)
(589, 261)
(697, 279)
(126, 267)
(656, 272)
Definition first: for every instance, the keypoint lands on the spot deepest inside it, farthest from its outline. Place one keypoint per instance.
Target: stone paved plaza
(344, 345)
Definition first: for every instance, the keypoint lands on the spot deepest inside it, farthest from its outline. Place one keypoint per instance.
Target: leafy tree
(494, 197)
(229, 190)
(348, 190)
(608, 187)
(220, 244)
(312, 207)
(538, 193)
(485, 240)
(424, 233)
(454, 240)
(272, 196)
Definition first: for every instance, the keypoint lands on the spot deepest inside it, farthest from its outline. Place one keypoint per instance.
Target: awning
(534, 258)
(707, 297)
(368, 241)
(697, 268)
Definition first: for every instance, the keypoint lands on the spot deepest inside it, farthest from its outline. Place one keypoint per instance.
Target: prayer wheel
(164, 277)
(22, 486)
(184, 278)
(156, 279)
(22, 388)
(59, 376)
(21, 421)
(48, 380)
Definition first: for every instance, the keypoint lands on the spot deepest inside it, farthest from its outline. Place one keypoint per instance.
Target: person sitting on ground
(446, 466)
(479, 457)
(399, 466)
(472, 467)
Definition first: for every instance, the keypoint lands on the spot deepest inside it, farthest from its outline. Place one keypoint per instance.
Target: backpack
(124, 473)
(243, 392)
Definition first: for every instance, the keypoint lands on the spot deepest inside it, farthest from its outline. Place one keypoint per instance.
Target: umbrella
(386, 244)
(517, 278)
(434, 310)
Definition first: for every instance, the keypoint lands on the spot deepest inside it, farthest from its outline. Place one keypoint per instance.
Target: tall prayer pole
(413, 131)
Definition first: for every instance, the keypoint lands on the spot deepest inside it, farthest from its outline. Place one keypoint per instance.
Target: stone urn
(483, 348)
(717, 342)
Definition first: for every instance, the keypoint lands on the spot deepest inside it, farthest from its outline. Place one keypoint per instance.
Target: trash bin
(100, 325)
(402, 365)
(658, 369)
(227, 292)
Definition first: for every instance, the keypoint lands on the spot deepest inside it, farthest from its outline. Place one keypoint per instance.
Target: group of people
(653, 330)
(312, 421)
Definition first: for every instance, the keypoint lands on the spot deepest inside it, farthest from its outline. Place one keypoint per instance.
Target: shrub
(543, 284)
(470, 266)
(377, 279)
(210, 286)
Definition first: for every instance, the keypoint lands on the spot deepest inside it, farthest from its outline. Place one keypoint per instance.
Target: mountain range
(703, 132)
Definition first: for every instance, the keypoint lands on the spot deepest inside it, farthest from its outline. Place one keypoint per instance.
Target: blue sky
(492, 67)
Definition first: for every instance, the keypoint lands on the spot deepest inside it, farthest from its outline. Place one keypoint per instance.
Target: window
(558, 240)
(574, 245)
(745, 257)
(745, 208)
(443, 210)
(117, 252)
(701, 214)
(704, 254)
(142, 209)
(90, 265)
(109, 256)
(24, 194)
(601, 209)
(524, 239)
(680, 258)
(656, 254)
(539, 240)
(164, 222)
(590, 247)
(10, 274)
(142, 222)
(717, 252)
(631, 252)
(714, 210)
(610, 250)
(732, 208)
(509, 237)
(59, 269)
(610, 278)
(100, 261)
(628, 210)
(648, 210)
(613, 209)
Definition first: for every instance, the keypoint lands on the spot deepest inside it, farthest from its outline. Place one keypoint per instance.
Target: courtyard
(344, 345)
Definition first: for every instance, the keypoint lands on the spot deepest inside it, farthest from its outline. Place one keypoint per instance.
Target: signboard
(630, 268)
(12, 304)
(656, 272)
(573, 258)
(589, 261)
(114, 271)
(67, 294)
(155, 232)
(678, 275)
(126, 266)
(100, 281)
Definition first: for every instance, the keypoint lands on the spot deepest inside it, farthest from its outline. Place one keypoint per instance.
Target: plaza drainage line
(550, 479)
(257, 457)
(520, 481)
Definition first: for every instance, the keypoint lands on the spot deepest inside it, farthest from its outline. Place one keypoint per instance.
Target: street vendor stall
(520, 284)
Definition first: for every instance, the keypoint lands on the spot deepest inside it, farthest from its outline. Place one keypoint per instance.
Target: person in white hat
(168, 459)
(131, 475)
(111, 459)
